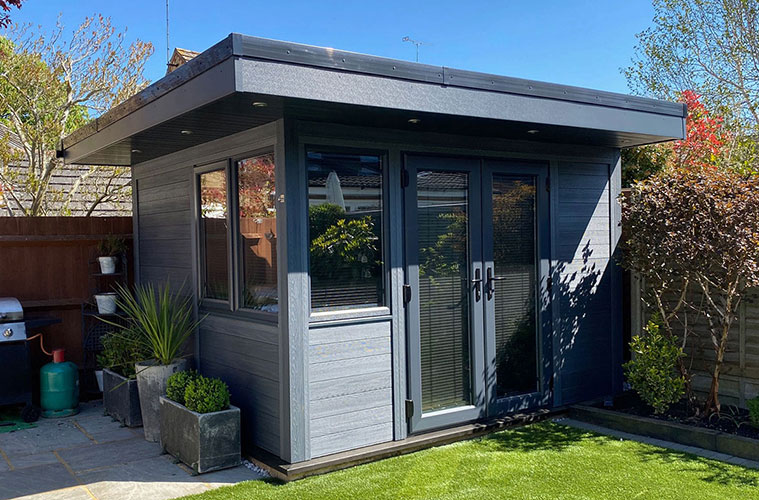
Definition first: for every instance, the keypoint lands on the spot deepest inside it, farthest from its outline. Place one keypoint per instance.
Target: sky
(573, 42)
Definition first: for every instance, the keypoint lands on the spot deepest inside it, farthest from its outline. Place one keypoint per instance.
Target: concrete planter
(151, 384)
(203, 441)
(688, 435)
(121, 399)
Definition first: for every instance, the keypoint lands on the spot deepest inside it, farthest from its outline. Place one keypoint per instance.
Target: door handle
(490, 285)
(477, 282)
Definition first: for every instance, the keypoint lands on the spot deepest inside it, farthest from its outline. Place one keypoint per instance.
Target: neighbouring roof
(180, 57)
(92, 181)
(212, 95)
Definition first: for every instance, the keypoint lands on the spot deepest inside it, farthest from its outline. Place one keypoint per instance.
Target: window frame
(235, 271)
(366, 311)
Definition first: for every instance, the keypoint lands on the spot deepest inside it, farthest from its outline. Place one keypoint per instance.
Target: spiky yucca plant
(162, 318)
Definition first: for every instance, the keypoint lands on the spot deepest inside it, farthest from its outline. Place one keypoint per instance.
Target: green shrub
(753, 411)
(652, 372)
(177, 385)
(206, 395)
(121, 350)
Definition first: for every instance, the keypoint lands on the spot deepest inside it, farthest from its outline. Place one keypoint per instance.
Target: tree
(707, 143)
(50, 85)
(693, 235)
(6, 5)
(712, 48)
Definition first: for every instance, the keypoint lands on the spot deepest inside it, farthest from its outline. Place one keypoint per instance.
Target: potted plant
(164, 322)
(110, 249)
(121, 350)
(198, 425)
(106, 302)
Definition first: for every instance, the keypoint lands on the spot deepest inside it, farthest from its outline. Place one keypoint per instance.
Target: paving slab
(47, 436)
(108, 454)
(20, 461)
(33, 480)
(115, 435)
(75, 493)
(155, 478)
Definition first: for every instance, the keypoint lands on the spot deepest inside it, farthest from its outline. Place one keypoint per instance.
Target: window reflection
(345, 229)
(213, 231)
(258, 232)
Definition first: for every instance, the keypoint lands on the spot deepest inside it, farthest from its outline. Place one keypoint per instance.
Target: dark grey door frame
(421, 422)
(482, 319)
(541, 397)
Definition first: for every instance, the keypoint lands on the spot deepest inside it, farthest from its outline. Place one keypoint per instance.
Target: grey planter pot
(203, 441)
(151, 384)
(121, 399)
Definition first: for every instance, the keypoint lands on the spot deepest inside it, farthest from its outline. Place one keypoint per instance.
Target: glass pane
(515, 268)
(213, 231)
(345, 229)
(443, 232)
(258, 232)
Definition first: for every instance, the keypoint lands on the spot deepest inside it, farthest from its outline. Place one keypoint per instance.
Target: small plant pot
(204, 442)
(151, 385)
(99, 379)
(106, 302)
(121, 400)
(107, 264)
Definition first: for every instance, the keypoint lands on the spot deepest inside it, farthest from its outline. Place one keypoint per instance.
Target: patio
(91, 456)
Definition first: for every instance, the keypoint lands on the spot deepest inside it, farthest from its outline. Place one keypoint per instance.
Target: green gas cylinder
(59, 387)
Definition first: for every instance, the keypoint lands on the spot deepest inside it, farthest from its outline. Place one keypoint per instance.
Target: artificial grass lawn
(542, 461)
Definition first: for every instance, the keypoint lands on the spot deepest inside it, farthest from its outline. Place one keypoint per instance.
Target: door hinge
(404, 178)
(406, 294)
(409, 408)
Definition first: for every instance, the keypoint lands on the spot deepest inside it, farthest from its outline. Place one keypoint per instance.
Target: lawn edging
(675, 432)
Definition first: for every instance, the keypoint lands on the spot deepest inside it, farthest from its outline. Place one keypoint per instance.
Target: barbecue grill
(15, 362)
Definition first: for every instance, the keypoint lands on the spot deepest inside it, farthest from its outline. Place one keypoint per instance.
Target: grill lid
(10, 310)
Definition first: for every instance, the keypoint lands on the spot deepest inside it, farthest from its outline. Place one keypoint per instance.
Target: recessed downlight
(136, 151)
(533, 131)
(260, 104)
(414, 120)
(186, 132)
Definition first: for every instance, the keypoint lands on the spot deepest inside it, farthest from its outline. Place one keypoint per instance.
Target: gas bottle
(59, 387)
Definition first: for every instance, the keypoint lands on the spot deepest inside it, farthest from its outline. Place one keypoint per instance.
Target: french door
(477, 270)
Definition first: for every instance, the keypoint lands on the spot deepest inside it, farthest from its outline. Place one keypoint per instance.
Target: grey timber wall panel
(583, 274)
(246, 356)
(350, 376)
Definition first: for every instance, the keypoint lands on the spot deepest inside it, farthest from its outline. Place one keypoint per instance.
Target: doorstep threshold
(329, 463)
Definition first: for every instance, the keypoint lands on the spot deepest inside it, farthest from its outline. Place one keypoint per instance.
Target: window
(345, 230)
(213, 234)
(258, 232)
(238, 235)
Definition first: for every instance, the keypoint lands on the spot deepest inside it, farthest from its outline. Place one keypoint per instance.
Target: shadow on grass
(711, 470)
(537, 437)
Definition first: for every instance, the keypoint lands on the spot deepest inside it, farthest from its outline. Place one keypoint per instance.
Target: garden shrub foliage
(121, 350)
(653, 371)
(753, 411)
(206, 395)
(177, 384)
(693, 236)
(198, 393)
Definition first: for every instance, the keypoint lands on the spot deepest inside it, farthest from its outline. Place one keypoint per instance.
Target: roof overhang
(212, 95)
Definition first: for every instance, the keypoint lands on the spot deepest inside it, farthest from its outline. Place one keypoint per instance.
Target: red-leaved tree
(6, 5)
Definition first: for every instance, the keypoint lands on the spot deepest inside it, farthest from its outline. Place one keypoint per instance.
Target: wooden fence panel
(47, 263)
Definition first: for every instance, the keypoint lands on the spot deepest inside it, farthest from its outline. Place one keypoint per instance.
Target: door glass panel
(443, 234)
(514, 259)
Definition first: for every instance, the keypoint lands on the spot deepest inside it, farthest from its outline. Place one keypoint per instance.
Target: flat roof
(301, 73)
